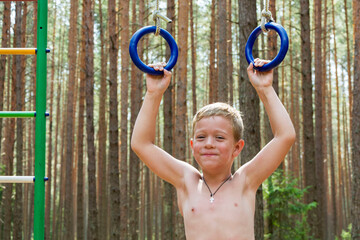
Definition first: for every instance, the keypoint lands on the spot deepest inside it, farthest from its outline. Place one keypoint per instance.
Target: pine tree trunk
(337, 219)
(148, 204)
(68, 206)
(92, 227)
(57, 152)
(80, 214)
(55, 174)
(102, 133)
(180, 122)
(346, 144)
(272, 47)
(348, 55)
(294, 112)
(213, 80)
(142, 207)
(60, 224)
(134, 166)
(114, 201)
(324, 119)
(308, 127)
(19, 81)
(193, 57)
(168, 223)
(271, 53)
(4, 43)
(320, 226)
(298, 163)
(332, 160)
(28, 191)
(193, 65)
(283, 76)
(50, 146)
(125, 63)
(230, 65)
(355, 128)
(249, 103)
(223, 85)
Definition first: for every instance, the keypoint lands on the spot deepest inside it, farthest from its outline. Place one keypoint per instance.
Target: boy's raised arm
(143, 136)
(270, 157)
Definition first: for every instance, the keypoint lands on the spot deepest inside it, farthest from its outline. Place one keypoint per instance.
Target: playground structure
(40, 119)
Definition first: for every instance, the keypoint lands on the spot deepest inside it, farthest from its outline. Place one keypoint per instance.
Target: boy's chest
(223, 205)
(230, 214)
(231, 199)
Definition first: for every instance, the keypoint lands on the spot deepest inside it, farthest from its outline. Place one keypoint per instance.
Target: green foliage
(286, 212)
(346, 234)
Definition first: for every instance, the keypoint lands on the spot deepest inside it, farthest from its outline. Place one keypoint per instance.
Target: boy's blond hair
(223, 110)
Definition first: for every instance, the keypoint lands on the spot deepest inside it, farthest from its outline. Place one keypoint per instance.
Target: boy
(216, 204)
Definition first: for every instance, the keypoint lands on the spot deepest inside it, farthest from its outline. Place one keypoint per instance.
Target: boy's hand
(158, 83)
(260, 79)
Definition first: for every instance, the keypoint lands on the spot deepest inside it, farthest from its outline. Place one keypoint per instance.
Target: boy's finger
(167, 73)
(250, 68)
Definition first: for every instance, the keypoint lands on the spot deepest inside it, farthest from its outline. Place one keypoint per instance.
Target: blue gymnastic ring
(135, 57)
(283, 48)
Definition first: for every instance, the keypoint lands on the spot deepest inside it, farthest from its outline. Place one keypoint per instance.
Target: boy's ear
(238, 147)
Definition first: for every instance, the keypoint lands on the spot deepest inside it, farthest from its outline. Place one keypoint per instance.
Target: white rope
(266, 17)
(157, 22)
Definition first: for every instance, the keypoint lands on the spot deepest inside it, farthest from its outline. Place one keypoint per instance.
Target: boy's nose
(209, 142)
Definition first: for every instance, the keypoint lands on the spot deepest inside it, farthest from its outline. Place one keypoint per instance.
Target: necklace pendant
(212, 199)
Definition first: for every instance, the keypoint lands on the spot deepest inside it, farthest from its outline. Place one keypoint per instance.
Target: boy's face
(213, 145)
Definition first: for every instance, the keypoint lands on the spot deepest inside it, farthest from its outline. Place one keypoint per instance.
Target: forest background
(98, 188)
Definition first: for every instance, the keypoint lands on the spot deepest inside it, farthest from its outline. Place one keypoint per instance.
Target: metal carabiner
(156, 16)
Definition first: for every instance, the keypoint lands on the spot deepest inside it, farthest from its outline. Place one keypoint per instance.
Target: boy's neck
(215, 179)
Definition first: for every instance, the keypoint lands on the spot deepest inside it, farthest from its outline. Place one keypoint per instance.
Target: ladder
(40, 118)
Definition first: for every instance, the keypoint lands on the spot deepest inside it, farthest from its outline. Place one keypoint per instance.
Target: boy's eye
(220, 137)
(200, 137)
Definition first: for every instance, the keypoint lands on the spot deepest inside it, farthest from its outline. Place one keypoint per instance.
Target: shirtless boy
(215, 204)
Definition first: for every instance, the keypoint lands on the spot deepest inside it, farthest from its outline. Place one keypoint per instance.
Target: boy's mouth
(209, 154)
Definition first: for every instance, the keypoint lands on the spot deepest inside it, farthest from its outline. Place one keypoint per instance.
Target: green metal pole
(40, 123)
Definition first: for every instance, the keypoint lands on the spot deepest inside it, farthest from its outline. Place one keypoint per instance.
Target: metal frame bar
(17, 114)
(17, 179)
(18, 51)
(40, 130)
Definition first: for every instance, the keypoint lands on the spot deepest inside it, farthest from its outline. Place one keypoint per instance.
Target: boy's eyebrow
(201, 130)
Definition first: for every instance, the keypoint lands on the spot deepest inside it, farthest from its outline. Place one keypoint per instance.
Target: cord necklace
(213, 194)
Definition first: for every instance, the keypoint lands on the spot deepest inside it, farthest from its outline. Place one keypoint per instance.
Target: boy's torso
(229, 216)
